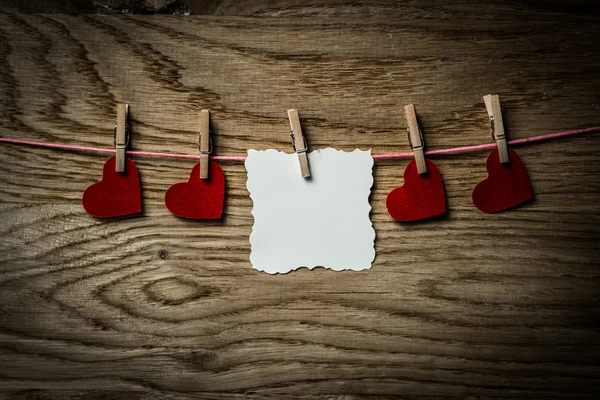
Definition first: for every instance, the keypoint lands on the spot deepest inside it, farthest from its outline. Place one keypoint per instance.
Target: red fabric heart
(506, 185)
(198, 198)
(117, 194)
(421, 196)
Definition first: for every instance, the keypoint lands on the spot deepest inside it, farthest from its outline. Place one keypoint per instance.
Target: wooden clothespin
(121, 136)
(204, 143)
(299, 142)
(415, 138)
(492, 104)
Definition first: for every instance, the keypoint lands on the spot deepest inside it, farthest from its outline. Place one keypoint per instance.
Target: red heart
(198, 198)
(117, 194)
(421, 196)
(506, 185)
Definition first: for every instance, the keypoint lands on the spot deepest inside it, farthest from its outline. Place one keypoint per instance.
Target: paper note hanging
(321, 221)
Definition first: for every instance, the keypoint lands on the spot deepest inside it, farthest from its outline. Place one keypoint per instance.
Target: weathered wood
(464, 305)
(175, 7)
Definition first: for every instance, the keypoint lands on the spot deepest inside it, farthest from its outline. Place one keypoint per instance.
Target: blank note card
(320, 221)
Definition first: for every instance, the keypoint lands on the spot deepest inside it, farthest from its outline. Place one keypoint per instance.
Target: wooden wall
(152, 306)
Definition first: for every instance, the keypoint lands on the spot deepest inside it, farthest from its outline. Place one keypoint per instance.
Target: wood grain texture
(174, 7)
(153, 307)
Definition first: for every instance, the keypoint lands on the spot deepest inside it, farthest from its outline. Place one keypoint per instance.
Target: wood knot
(174, 291)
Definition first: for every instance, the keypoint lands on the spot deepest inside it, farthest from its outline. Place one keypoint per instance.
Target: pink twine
(463, 149)
(242, 158)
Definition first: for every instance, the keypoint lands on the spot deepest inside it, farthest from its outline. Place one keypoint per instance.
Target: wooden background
(152, 306)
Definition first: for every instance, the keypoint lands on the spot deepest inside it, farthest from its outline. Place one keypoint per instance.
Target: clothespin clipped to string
(507, 183)
(415, 138)
(121, 136)
(492, 104)
(203, 195)
(299, 142)
(118, 193)
(422, 195)
(204, 143)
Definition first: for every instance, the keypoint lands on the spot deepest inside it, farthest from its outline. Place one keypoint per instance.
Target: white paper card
(319, 221)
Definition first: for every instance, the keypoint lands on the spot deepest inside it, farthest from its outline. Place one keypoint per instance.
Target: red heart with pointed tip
(421, 196)
(506, 185)
(198, 198)
(117, 194)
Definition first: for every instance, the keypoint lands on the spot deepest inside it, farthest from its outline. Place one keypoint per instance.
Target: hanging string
(451, 150)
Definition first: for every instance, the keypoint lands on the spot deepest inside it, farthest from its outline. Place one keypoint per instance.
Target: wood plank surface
(152, 306)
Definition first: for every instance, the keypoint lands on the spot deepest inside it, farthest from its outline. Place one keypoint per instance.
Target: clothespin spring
(121, 146)
(418, 148)
(493, 126)
(210, 145)
(304, 150)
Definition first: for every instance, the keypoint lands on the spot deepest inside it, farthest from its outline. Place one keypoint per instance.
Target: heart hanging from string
(506, 186)
(198, 198)
(117, 194)
(422, 195)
